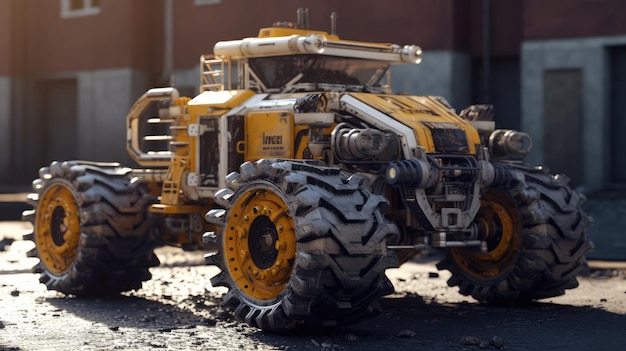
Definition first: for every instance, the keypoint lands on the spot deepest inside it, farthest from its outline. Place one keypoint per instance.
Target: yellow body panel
(417, 112)
(269, 134)
(285, 31)
(227, 99)
(180, 209)
(208, 103)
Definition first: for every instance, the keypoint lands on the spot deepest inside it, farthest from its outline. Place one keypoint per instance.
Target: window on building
(206, 2)
(78, 8)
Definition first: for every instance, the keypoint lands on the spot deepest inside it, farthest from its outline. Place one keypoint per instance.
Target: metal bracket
(193, 130)
(193, 179)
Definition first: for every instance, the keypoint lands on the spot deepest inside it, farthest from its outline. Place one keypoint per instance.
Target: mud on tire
(91, 229)
(336, 270)
(547, 236)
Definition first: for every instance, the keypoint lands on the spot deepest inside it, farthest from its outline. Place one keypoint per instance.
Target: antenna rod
(307, 19)
(333, 23)
(300, 19)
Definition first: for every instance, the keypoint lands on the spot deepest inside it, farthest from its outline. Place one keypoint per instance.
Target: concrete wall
(440, 73)
(104, 99)
(590, 56)
(188, 80)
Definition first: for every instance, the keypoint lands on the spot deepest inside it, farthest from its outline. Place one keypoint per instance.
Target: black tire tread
(336, 285)
(117, 242)
(553, 244)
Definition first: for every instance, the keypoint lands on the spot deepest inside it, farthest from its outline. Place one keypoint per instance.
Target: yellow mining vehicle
(310, 178)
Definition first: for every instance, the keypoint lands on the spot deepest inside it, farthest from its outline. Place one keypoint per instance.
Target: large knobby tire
(536, 241)
(300, 244)
(91, 229)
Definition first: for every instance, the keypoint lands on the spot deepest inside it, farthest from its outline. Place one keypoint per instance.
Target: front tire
(300, 244)
(91, 229)
(536, 241)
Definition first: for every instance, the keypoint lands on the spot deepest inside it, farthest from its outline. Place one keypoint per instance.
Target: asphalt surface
(179, 310)
(12, 205)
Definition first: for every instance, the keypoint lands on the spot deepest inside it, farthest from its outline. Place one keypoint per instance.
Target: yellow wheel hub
(57, 228)
(259, 244)
(499, 226)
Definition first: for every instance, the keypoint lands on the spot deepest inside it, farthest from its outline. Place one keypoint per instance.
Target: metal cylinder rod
(307, 19)
(300, 20)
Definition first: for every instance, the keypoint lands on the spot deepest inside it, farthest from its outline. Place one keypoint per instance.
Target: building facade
(71, 69)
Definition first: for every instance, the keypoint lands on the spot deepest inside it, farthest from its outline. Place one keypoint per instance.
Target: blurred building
(71, 69)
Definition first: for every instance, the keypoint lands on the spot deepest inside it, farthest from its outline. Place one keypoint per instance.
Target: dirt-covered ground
(179, 310)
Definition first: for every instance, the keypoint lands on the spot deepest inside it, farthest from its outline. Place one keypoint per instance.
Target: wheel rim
(259, 244)
(57, 228)
(499, 226)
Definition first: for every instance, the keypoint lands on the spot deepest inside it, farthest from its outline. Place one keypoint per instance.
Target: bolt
(280, 246)
(241, 233)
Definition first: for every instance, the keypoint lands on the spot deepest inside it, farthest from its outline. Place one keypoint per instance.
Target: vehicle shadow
(410, 322)
(407, 321)
(129, 311)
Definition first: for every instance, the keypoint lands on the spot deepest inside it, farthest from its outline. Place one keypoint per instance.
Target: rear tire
(300, 244)
(536, 235)
(91, 229)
